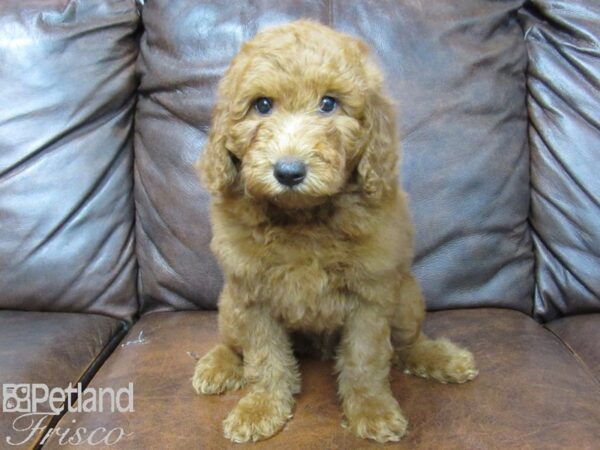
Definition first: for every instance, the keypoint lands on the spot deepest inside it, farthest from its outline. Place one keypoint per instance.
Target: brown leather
(531, 392)
(581, 334)
(50, 348)
(456, 71)
(563, 38)
(67, 96)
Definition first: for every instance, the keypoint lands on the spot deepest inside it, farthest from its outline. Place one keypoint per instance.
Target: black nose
(289, 171)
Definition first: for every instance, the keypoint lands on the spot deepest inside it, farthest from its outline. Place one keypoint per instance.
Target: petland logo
(36, 402)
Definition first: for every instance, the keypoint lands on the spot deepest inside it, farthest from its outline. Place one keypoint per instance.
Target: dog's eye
(263, 105)
(327, 104)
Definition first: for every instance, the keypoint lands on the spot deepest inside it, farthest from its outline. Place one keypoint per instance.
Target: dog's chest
(302, 277)
(307, 295)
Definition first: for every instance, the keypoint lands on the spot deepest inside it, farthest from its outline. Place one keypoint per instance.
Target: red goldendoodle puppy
(313, 234)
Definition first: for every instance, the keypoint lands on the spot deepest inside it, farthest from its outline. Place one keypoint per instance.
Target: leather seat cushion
(531, 392)
(54, 349)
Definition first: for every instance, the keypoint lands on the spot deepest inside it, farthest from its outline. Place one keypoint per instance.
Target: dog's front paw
(375, 418)
(257, 416)
(441, 360)
(218, 371)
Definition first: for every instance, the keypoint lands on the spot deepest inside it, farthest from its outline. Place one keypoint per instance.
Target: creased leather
(457, 74)
(67, 90)
(563, 41)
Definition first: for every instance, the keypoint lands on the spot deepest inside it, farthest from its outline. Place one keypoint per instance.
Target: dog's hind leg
(419, 355)
(219, 371)
(439, 359)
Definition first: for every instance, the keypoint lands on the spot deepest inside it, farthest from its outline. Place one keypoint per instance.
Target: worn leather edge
(88, 374)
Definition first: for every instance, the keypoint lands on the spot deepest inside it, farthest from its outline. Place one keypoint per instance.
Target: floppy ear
(378, 166)
(216, 166)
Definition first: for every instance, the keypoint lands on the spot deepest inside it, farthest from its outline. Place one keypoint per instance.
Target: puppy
(313, 235)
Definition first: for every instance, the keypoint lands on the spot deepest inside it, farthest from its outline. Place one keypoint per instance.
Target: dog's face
(295, 115)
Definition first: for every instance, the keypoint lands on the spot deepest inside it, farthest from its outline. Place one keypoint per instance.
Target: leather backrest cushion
(67, 90)
(456, 71)
(563, 41)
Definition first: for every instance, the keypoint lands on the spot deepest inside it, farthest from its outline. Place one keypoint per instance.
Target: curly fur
(330, 257)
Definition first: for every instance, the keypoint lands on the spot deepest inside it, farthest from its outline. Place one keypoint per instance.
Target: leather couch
(106, 276)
